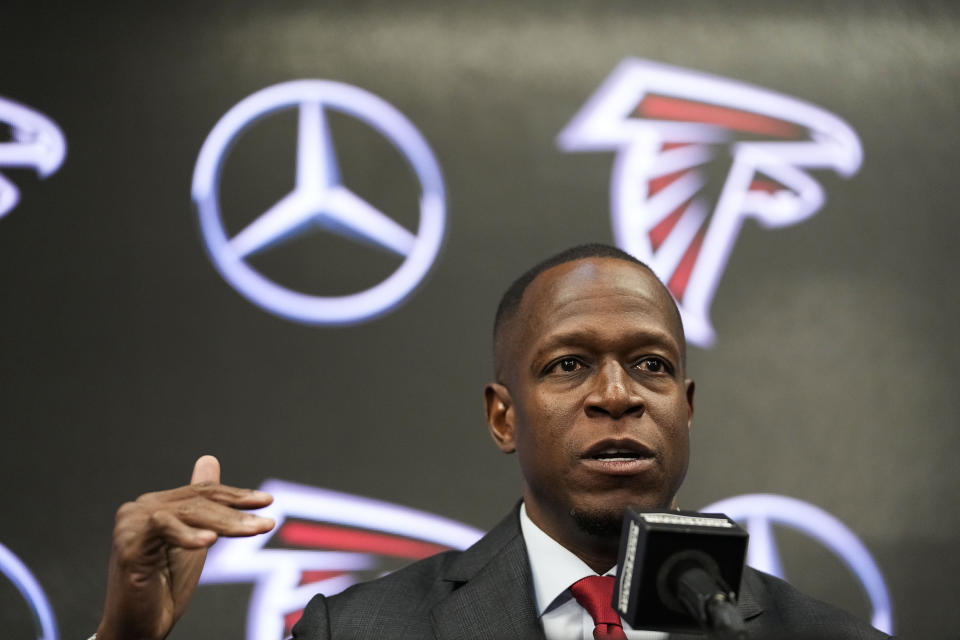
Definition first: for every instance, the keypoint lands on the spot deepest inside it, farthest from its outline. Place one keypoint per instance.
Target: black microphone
(679, 571)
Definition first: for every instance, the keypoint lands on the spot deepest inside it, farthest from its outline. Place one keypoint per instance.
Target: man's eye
(654, 365)
(567, 365)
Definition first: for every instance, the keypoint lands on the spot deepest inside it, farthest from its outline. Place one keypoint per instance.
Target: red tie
(595, 593)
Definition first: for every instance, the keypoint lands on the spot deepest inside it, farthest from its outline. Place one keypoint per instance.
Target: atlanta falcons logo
(34, 142)
(697, 155)
(324, 542)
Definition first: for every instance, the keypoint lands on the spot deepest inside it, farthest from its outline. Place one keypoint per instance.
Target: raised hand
(160, 542)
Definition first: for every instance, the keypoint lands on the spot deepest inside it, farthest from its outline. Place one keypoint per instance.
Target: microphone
(679, 571)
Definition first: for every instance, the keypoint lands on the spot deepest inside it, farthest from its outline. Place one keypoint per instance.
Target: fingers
(180, 534)
(201, 513)
(190, 517)
(206, 469)
(197, 522)
(191, 523)
(224, 494)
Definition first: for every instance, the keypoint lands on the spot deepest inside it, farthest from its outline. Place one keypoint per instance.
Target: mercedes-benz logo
(759, 511)
(45, 625)
(320, 197)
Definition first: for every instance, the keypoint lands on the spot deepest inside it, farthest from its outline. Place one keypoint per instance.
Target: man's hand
(159, 544)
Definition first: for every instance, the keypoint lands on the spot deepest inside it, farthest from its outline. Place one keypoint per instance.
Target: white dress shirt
(554, 569)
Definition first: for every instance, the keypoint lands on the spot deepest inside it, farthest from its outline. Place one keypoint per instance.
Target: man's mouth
(617, 448)
(616, 454)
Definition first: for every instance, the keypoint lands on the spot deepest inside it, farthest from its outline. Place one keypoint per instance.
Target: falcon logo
(324, 542)
(34, 142)
(697, 155)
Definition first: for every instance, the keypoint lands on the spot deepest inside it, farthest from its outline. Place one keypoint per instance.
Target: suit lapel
(748, 603)
(495, 596)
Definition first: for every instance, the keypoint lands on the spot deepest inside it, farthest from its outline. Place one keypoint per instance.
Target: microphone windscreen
(652, 543)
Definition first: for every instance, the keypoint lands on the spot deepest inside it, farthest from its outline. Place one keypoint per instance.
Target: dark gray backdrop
(125, 355)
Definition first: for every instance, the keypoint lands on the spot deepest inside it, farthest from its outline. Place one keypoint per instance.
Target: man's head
(591, 392)
(510, 300)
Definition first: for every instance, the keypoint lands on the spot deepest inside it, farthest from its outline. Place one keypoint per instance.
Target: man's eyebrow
(564, 338)
(580, 337)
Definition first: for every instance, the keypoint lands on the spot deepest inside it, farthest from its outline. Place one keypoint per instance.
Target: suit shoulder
(418, 577)
(395, 605)
(807, 618)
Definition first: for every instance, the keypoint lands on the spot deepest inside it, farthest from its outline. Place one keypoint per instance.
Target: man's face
(593, 396)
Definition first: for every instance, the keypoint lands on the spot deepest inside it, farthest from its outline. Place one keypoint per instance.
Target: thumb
(206, 469)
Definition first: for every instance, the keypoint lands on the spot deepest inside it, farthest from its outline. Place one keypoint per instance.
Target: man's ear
(500, 416)
(690, 388)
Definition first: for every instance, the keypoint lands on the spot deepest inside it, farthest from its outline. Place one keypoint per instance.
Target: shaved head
(505, 326)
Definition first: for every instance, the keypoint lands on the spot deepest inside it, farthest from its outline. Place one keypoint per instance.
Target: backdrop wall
(126, 354)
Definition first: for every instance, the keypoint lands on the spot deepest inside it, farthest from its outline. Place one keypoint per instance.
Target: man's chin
(606, 520)
(604, 523)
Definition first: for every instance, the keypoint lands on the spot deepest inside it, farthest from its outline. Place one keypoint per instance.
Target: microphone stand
(711, 606)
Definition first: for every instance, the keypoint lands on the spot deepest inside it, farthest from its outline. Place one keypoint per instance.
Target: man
(591, 393)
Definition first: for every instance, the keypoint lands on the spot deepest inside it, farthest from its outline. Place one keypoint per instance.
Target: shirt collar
(554, 567)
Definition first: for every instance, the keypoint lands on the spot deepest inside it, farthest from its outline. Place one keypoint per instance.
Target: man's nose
(614, 393)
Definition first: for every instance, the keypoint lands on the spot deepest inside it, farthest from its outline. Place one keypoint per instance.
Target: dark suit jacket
(487, 592)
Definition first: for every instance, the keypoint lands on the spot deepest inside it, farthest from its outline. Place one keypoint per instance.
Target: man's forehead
(590, 278)
(569, 289)
(565, 293)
